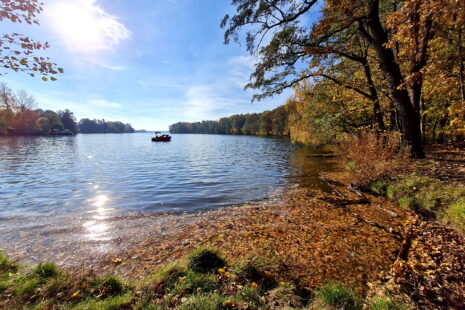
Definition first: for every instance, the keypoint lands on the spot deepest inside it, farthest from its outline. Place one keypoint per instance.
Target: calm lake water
(56, 190)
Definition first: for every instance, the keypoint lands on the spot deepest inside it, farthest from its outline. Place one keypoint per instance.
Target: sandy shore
(299, 234)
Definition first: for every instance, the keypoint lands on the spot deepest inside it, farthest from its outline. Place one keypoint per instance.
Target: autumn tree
(18, 52)
(23, 101)
(296, 40)
(68, 120)
(6, 97)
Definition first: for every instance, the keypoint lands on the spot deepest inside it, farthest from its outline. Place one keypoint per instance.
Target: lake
(58, 193)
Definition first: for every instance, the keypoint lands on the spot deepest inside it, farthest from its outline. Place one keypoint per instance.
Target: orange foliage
(369, 156)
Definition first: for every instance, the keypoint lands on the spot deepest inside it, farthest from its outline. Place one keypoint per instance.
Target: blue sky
(147, 62)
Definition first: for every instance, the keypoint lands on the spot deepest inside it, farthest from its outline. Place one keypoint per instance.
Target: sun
(83, 26)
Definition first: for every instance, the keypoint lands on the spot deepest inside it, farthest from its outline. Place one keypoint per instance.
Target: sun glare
(83, 26)
(77, 24)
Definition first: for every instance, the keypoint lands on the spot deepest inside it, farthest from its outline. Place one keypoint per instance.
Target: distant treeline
(268, 123)
(86, 125)
(19, 116)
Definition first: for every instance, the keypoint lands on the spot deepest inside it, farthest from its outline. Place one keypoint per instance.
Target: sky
(147, 62)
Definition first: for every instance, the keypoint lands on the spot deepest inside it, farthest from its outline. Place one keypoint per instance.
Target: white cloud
(241, 68)
(104, 103)
(83, 26)
(203, 101)
(111, 67)
(244, 61)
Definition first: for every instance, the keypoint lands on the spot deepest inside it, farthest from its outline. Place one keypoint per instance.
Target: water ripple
(68, 188)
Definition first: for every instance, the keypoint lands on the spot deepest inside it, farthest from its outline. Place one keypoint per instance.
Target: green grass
(7, 266)
(164, 279)
(250, 296)
(456, 214)
(426, 196)
(174, 286)
(378, 187)
(339, 296)
(195, 282)
(8, 269)
(387, 303)
(27, 286)
(45, 270)
(405, 202)
(204, 302)
(391, 191)
(106, 286)
(205, 260)
(112, 303)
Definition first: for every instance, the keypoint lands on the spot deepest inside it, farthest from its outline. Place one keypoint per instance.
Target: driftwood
(353, 189)
(343, 205)
(331, 185)
(364, 200)
(345, 202)
(326, 155)
(391, 213)
(405, 246)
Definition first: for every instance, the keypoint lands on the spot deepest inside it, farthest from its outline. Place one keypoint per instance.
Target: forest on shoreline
(267, 123)
(378, 67)
(19, 115)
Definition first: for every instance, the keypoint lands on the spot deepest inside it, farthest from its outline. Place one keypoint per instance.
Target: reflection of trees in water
(305, 165)
(20, 151)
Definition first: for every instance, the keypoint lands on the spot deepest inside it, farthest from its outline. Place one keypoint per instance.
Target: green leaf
(53, 78)
(44, 79)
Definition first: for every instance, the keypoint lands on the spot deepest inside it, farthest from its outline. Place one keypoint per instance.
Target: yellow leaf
(116, 260)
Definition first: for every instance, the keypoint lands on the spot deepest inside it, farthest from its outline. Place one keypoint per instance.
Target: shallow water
(60, 194)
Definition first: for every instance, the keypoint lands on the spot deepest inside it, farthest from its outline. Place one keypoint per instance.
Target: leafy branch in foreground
(18, 52)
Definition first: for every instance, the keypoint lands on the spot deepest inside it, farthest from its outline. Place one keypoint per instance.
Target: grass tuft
(378, 187)
(249, 295)
(339, 296)
(107, 286)
(45, 270)
(205, 260)
(164, 279)
(7, 266)
(195, 282)
(112, 303)
(386, 303)
(456, 214)
(204, 302)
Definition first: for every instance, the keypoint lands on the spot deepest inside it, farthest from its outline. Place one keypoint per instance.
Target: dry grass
(369, 156)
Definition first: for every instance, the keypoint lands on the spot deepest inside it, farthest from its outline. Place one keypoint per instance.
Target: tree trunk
(374, 97)
(461, 59)
(423, 120)
(409, 116)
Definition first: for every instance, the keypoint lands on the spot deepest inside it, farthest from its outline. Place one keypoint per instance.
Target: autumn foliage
(367, 65)
(369, 156)
(21, 53)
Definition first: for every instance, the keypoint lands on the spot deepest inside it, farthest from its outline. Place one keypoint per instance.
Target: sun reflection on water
(100, 200)
(97, 229)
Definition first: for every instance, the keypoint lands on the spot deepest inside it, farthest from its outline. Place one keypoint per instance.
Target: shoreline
(306, 238)
(298, 227)
(294, 227)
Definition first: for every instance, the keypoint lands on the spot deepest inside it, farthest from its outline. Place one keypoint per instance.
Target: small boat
(162, 138)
